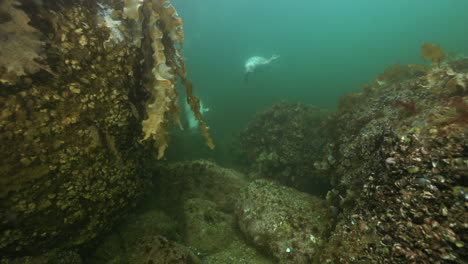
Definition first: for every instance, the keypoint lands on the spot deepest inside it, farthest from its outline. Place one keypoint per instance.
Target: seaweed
(432, 52)
(461, 109)
(164, 29)
(408, 107)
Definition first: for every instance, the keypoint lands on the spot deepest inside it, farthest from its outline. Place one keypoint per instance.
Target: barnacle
(432, 52)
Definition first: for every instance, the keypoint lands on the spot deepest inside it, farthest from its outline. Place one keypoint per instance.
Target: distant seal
(256, 62)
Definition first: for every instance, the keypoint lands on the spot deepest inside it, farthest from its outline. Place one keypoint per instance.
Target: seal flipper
(246, 77)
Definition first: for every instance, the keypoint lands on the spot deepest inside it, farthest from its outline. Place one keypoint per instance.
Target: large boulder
(207, 228)
(191, 204)
(400, 147)
(71, 160)
(202, 195)
(87, 91)
(159, 250)
(288, 225)
(202, 179)
(284, 143)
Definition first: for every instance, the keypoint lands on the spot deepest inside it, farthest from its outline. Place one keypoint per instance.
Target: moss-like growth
(432, 52)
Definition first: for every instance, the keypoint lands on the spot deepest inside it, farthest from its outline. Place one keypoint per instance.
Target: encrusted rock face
(159, 250)
(400, 172)
(285, 142)
(201, 179)
(20, 43)
(287, 224)
(71, 161)
(56, 256)
(85, 86)
(207, 228)
(192, 203)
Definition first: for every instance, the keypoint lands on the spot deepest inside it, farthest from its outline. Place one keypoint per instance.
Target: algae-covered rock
(238, 252)
(159, 250)
(400, 153)
(207, 228)
(87, 92)
(177, 182)
(147, 223)
(202, 195)
(190, 203)
(125, 239)
(71, 160)
(55, 256)
(287, 224)
(284, 143)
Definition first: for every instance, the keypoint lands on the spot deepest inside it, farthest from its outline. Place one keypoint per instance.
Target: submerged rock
(207, 228)
(206, 205)
(192, 204)
(159, 250)
(284, 142)
(86, 92)
(238, 252)
(401, 147)
(71, 162)
(289, 225)
(56, 256)
(202, 179)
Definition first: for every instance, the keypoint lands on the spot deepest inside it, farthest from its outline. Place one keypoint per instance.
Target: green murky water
(327, 49)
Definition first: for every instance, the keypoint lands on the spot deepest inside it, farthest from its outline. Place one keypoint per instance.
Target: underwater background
(327, 49)
(349, 145)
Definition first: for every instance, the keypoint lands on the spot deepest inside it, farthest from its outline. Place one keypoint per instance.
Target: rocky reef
(401, 166)
(192, 204)
(395, 155)
(86, 90)
(287, 224)
(285, 143)
(88, 93)
(221, 217)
